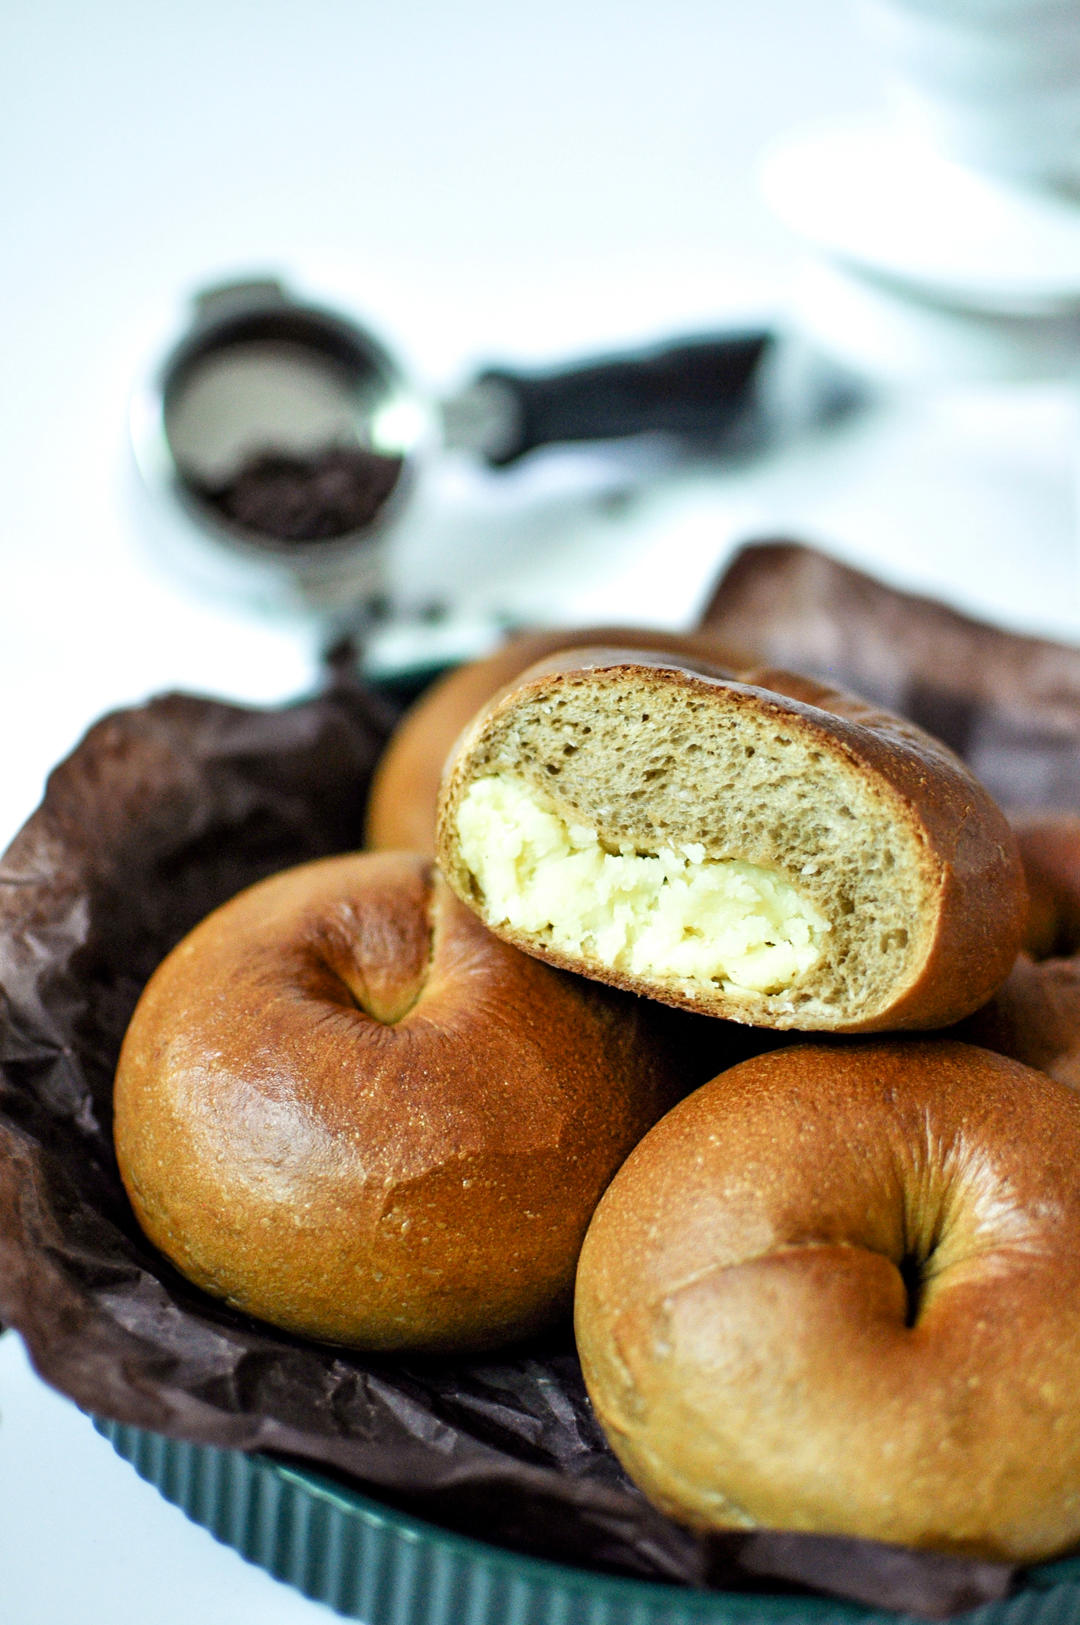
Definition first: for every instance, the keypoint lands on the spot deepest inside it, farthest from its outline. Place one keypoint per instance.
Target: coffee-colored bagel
(1050, 852)
(887, 886)
(1035, 1015)
(838, 1290)
(346, 1108)
(405, 788)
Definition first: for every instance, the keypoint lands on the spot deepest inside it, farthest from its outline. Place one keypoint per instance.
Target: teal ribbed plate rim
(370, 1562)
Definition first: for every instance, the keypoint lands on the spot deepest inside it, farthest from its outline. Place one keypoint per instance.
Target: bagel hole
(387, 1011)
(378, 966)
(912, 1273)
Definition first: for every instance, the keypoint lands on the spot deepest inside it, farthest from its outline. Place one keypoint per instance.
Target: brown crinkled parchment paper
(161, 813)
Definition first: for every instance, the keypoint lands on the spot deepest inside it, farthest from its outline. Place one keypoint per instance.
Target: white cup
(994, 84)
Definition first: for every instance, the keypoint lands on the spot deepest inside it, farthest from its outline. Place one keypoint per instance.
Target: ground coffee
(292, 497)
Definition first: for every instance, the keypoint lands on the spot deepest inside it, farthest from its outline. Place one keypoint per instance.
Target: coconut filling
(674, 913)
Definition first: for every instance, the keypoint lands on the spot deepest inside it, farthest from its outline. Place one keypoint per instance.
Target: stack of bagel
(540, 1048)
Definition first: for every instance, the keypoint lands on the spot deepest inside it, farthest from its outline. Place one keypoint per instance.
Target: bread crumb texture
(709, 842)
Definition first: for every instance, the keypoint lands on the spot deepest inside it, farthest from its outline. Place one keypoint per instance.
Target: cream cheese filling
(675, 913)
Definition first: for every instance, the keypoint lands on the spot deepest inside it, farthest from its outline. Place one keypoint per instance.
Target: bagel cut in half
(837, 1290)
(751, 845)
(346, 1108)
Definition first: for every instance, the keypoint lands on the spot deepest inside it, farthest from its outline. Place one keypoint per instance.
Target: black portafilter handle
(695, 390)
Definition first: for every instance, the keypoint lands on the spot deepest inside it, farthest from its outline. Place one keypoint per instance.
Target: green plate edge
(370, 1562)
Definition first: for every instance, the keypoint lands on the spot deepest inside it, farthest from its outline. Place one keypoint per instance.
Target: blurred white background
(477, 182)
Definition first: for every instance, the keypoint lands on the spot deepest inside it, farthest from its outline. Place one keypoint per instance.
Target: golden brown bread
(1049, 845)
(405, 788)
(1035, 1015)
(887, 889)
(838, 1289)
(346, 1108)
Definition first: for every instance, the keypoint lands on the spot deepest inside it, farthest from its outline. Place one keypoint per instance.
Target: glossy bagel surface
(347, 1109)
(838, 1290)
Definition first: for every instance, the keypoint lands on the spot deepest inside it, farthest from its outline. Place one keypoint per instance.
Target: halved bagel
(752, 845)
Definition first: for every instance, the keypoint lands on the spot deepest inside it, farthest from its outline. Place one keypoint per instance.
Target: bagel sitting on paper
(346, 1108)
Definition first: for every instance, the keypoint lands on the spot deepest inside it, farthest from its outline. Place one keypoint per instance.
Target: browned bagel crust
(1035, 1015)
(838, 1289)
(974, 875)
(1050, 851)
(347, 1109)
(405, 789)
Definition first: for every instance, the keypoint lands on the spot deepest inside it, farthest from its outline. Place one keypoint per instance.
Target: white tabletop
(478, 183)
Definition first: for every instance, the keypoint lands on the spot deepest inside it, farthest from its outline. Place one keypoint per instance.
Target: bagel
(347, 1109)
(751, 845)
(837, 1290)
(1035, 1015)
(1049, 844)
(405, 788)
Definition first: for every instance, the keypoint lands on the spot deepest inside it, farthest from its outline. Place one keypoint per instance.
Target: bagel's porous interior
(699, 842)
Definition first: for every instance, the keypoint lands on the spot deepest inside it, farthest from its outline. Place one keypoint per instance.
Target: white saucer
(868, 195)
